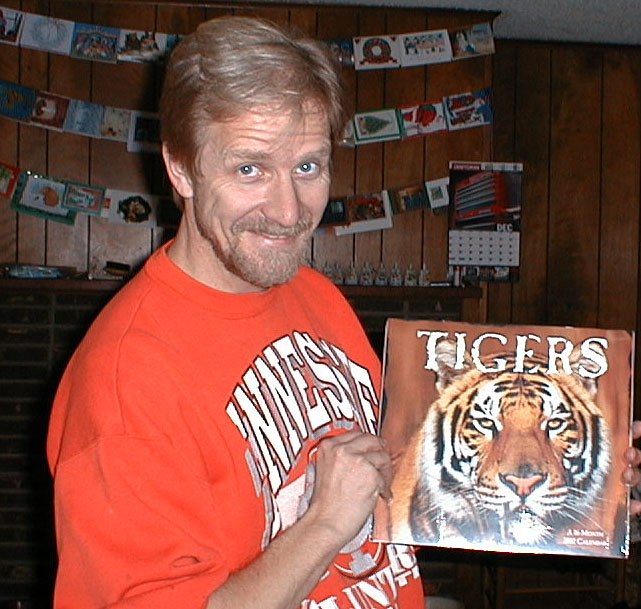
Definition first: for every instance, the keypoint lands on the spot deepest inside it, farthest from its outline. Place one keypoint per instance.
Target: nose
(283, 204)
(522, 485)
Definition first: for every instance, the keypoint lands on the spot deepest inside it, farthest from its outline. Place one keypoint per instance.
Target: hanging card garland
(96, 42)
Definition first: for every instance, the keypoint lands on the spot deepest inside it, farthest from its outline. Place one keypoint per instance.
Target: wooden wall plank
(465, 145)
(499, 295)
(327, 247)
(303, 19)
(124, 85)
(620, 169)
(181, 20)
(532, 134)
(369, 168)
(404, 160)
(69, 153)
(574, 186)
(33, 141)
(173, 19)
(9, 70)
(370, 95)
(277, 14)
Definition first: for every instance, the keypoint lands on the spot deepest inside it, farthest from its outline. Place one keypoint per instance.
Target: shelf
(112, 285)
(61, 285)
(412, 293)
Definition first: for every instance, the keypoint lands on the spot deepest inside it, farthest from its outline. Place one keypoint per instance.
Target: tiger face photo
(507, 457)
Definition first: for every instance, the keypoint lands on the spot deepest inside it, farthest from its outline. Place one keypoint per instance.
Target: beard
(261, 267)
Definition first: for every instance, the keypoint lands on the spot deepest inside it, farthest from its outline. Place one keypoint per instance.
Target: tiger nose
(522, 486)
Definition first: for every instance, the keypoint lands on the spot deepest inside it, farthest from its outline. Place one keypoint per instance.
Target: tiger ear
(578, 360)
(446, 361)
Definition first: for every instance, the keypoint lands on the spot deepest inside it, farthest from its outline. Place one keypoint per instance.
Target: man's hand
(632, 474)
(353, 470)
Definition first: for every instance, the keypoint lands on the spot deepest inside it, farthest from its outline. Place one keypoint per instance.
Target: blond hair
(232, 65)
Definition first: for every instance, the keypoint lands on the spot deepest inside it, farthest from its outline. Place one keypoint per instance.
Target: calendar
(483, 248)
(485, 216)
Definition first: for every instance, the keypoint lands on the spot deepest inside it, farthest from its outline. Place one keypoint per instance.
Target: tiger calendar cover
(507, 438)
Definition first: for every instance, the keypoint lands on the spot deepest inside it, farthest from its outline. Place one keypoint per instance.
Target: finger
(632, 476)
(635, 507)
(636, 430)
(632, 456)
(356, 441)
(386, 475)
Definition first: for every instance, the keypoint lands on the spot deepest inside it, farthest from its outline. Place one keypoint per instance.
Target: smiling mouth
(278, 237)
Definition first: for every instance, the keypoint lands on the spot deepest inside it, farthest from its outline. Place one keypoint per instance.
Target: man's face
(262, 190)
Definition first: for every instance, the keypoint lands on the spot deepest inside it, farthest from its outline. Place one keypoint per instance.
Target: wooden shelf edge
(412, 293)
(61, 285)
(112, 285)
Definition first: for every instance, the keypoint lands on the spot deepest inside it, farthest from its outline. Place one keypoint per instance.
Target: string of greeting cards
(141, 130)
(113, 44)
(60, 200)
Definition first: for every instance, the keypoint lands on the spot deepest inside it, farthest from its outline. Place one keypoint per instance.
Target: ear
(446, 362)
(178, 174)
(578, 361)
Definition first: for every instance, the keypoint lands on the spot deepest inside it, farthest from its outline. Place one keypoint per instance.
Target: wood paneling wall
(572, 115)
(417, 237)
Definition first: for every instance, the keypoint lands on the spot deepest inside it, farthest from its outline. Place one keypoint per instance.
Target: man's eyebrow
(245, 154)
(253, 154)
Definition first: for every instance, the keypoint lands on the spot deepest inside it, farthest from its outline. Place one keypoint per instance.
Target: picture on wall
(421, 48)
(8, 178)
(485, 218)
(84, 118)
(474, 40)
(50, 110)
(130, 208)
(408, 198)
(94, 42)
(115, 124)
(47, 34)
(11, 23)
(366, 213)
(41, 196)
(16, 100)
(467, 110)
(144, 132)
(83, 197)
(376, 52)
(140, 46)
(377, 126)
(424, 118)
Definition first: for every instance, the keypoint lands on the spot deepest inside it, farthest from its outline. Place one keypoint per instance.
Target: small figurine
(395, 278)
(381, 275)
(411, 276)
(351, 277)
(328, 271)
(367, 275)
(337, 274)
(424, 276)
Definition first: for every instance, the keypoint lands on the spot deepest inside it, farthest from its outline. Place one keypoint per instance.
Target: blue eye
(248, 170)
(308, 168)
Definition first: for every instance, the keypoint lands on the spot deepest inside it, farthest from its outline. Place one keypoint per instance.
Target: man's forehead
(265, 131)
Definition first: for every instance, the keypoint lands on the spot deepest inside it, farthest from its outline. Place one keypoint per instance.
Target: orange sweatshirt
(180, 434)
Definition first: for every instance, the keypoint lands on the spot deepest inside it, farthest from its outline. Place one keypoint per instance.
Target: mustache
(261, 224)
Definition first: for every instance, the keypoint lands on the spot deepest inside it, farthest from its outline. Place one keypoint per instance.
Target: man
(213, 438)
